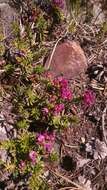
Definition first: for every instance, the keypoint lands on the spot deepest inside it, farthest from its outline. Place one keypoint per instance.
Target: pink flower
(66, 94)
(89, 98)
(49, 137)
(46, 140)
(56, 82)
(41, 138)
(52, 137)
(64, 83)
(61, 82)
(58, 109)
(32, 156)
(49, 76)
(45, 111)
(52, 98)
(22, 165)
(59, 3)
(48, 147)
(45, 137)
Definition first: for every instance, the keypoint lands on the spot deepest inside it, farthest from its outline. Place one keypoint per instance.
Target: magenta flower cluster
(59, 3)
(65, 92)
(58, 109)
(57, 102)
(60, 81)
(45, 111)
(46, 140)
(58, 99)
(33, 156)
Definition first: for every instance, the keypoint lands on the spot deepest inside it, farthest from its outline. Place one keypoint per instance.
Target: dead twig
(68, 180)
(103, 123)
(71, 146)
(50, 60)
(100, 12)
(105, 41)
(57, 42)
(68, 188)
(52, 54)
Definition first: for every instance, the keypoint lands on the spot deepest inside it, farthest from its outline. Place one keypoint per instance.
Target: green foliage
(9, 69)
(1, 43)
(35, 181)
(22, 124)
(60, 122)
(54, 157)
(39, 69)
(73, 6)
(16, 29)
(24, 144)
(42, 27)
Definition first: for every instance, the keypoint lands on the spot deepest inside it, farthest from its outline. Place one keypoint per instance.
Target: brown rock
(68, 59)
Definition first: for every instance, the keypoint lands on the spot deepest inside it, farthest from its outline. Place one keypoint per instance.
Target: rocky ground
(78, 50)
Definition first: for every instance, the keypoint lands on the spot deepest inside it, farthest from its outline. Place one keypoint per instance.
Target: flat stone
(3, 155)
(68, 59)
(4, 1)
(3, 135)
(7, 16)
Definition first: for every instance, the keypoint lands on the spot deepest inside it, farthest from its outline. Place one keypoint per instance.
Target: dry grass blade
(68, 188)
(54, 48)
(103, 123)
(71, 146)
(68, 180)
(50, 60)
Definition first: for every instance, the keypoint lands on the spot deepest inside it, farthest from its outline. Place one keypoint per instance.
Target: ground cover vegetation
(44, 109)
